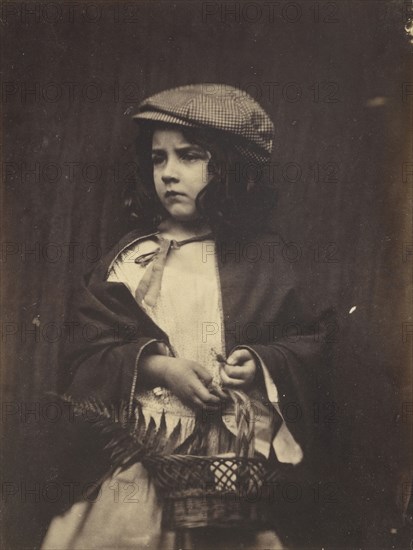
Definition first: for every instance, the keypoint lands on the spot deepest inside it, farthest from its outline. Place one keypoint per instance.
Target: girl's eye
(157, 159)
(194, 155)
(189, 156)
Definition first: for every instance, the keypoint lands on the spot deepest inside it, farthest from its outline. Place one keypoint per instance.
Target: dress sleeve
(294, 367)
(111, 334)
(285, 446)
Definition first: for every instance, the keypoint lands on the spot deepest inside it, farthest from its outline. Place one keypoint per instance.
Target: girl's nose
(170, 172)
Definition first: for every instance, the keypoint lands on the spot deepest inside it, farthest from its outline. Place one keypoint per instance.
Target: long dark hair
(236, 201)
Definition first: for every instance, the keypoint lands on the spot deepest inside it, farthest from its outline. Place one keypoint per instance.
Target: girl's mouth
(171, 194)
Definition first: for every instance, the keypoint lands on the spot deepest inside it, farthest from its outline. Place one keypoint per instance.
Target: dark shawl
(264, 308)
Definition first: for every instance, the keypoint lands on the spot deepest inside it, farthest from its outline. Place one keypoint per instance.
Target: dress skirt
(127, 513)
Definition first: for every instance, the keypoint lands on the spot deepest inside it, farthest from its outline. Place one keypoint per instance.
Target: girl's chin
(184, 217)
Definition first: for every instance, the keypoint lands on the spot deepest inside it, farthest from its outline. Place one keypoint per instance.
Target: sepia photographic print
(206, 291)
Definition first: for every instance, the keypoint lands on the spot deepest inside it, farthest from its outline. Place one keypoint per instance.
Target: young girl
(197, 301)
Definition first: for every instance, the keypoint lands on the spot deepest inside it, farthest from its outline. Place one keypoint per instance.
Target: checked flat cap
(218, 107)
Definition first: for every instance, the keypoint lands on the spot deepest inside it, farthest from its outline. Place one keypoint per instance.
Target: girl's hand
(189, 380)
(239, 370)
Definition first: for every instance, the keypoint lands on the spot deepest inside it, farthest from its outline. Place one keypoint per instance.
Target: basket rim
(206, 458)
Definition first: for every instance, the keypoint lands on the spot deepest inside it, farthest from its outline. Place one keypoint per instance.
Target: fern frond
(172, 440)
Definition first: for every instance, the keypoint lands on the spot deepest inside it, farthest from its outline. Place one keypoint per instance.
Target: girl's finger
(234, 358)
(202, 373)
(205, 396)
(205, 406)
(235, 372)
(197, 402)
(238, 356)
(216, 390)
(231, 382)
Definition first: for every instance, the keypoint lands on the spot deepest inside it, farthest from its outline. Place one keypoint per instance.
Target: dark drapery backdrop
(333, 76)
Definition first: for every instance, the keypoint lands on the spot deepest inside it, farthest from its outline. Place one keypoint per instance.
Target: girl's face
(180, 172)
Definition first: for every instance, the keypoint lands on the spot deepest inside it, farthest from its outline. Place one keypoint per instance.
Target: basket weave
(214, 491)
(198, 491)
(210, 491)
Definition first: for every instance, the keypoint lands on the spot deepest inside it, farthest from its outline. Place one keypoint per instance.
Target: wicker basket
(198, 491)
(214, 491)
(210, 491)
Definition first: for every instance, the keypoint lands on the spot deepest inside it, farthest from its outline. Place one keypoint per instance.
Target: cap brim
(157, 116)
(248, 151)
